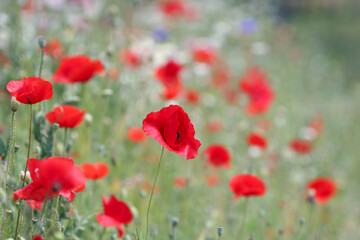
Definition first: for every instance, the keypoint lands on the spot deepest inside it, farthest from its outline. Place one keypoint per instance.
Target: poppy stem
(152, 192)
(65, 138)
(40, 71)
(244, 216)
(45, 204)
(102, 233)
(23, 180)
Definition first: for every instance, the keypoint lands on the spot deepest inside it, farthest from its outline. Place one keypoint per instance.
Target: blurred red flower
(217, 156)
(168, 74)
(317, 123)
(116, 213)
(260, 93)
(321, 189)
(171, 91)
(95, 171)
(214, 125)
(247, 185)
(172, 128)
(35, 204)
(180, 182)
(301, 146)
(53, 49)
(258, 140)
(52, 176)
(30, 90)
(67, 116)
(173, 8)
(204, 54)
(192, 96)
(136, 134)
(37, 237)
(130, 58)
(212, 180)
(75, 69)
(220, 76)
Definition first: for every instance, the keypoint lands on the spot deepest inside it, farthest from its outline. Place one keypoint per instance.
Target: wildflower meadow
(175, 120)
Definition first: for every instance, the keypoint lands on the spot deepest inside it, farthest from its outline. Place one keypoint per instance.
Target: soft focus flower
(95, 171)
(247, 185)
(30, 90)
(300, 146)
(130, 58)
(248, 25)
(172, 128)
(37, 237)
(173, 8)
(192, 96)
(168, 74)
(160, 34)
(180, 182)
(321, 189)
(52, 176)
(136, 134)
(204, 54)
(67, 116)
(255, 139)
(214, 125)
(54, 49)
(75, 69)
(212, 180)
(260, 93)
(116, 213)
(171, 91)
(217, 156)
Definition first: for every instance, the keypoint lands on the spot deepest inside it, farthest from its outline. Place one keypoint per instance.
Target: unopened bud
(220, 231)
(175, 222)
(107, 92)
(88, 118)
(42, 42)
(14, 104)
(56, 126)
(301, 221)
(27, 177)
(57, 226)
(113, 237)
(22, 175)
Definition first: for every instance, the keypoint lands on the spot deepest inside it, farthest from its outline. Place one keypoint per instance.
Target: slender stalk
(65, 138)
(23, 181)
(56, 208)
(43, 104)
(102, 233)
(44, 209)
(152, 192)
(244, 216)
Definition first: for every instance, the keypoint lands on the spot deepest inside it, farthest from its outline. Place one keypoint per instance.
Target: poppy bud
(56, 126)
(38, 150)
(175, 222)
(17, 147)
(72, 100)
(22, 175)
(220, 231)
(34, 220)
(14, 104)
(113, 237)
(9, 211)
(57, 226)
(301, 221)
(42, 42)
(88, 118)
(27, 177)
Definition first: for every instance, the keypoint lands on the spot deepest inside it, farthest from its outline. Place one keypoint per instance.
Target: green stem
(65, 138)
(244, 216)
(44, 209)
(23, 181)
(102, 234)
(10, 149)
(43, 104)
(152, 192)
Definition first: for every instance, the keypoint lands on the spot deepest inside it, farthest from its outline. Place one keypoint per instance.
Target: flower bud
(88, 118)
(220, 231)
(107, 92)
(27, 177)
(301, 221)
(14, 104)
(175, 222)
(22, 175)
(42, 42)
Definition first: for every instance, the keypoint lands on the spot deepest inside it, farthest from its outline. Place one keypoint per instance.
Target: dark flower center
(56, 187)
(177, 136)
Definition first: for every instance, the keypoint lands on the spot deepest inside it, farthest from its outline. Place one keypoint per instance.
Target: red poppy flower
(34, 204)
(136, 134)
(220, 77)
(180, 182)
(52, 176)
(212, 180)
(317, 123)
(116, 213)
(260, 93)
(37, 237)
(247, 185)
(66, 116)
(95, 171)
(147, 186)
(204, 54)
(217, 155)
(192, 96)
(168, 74)
(172, 91)
(322, 189)
(53, 49)
(78, 68)
(30, 90)
(172, 128)
(300, 146)
(130, 58)
(173, 8)
(258, 140)
(231, 95)
(214, 125)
